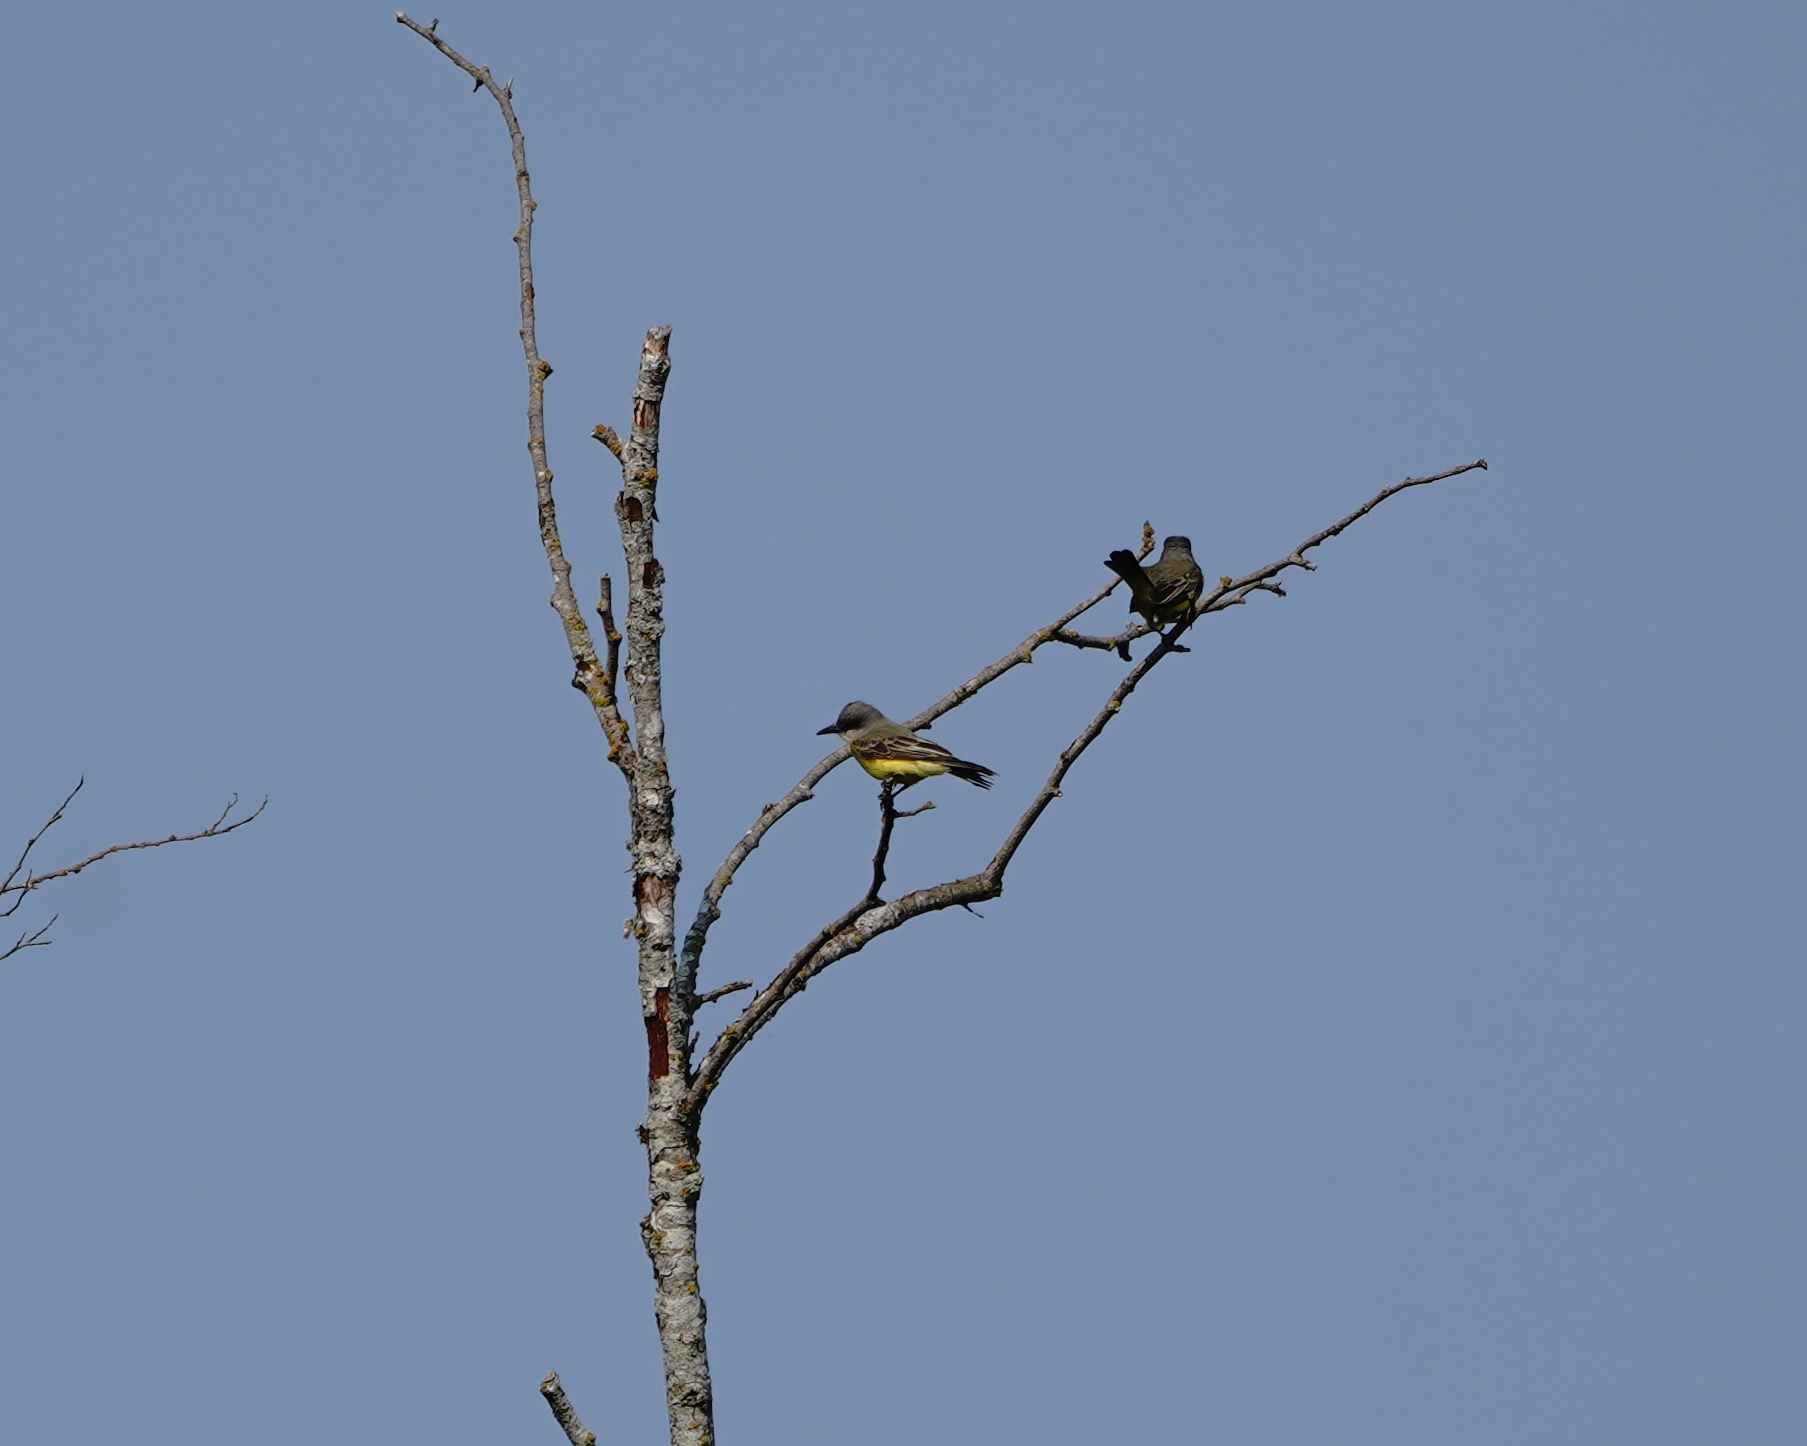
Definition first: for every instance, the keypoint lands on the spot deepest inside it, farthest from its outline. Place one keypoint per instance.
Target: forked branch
(888, 815)
(709, 910)
(853, 930)
(30, 939)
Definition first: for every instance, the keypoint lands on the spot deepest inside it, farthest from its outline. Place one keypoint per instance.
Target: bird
(891, 753)
(1166, 591)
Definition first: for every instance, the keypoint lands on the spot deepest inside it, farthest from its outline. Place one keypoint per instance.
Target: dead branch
(588, 678)
(605, 612)
(709, 996)
(888, 815)
(56, 815)
(20, 887)
(30, 939)
(1229, 594)
(562, 1410)
(1232, 591)
(853, 930)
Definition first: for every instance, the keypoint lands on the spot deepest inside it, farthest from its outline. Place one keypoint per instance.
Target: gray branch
(722, 992)
(1232, 591)
(564, 1412)
(589, 678)
(870, 918)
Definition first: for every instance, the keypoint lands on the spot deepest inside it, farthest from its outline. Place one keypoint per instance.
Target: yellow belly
(900, 767)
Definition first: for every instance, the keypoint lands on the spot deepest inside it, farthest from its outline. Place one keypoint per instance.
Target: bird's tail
(976, 774)
(1124, 564)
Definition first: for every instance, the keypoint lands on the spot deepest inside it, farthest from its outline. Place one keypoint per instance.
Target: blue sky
(1393, 1035)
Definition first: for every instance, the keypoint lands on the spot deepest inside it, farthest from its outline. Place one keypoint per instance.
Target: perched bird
(889, 750)
(1166, 591)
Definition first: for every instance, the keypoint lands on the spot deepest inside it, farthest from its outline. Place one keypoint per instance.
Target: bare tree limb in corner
(678, 1086)
(18, 884)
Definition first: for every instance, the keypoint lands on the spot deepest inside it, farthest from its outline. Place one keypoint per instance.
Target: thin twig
(709, 996)
(30, 939)
(588, 678)
(859, 926)
(21, 887)
(6, 885)
(887, 820)
(1235, 590)
(888, 814)
(605, 611)
(563, 1411)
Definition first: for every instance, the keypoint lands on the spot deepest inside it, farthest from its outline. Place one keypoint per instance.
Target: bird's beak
(829, 729)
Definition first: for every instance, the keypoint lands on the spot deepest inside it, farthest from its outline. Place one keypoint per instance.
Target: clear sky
(1395, 1034)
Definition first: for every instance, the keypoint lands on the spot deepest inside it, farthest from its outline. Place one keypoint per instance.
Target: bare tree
(681, 1078)
(19, 884)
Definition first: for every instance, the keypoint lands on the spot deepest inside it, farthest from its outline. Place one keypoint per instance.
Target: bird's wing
(904, 750)
(1169, 591)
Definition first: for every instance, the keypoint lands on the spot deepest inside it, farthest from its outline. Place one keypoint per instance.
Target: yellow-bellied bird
(890, 751)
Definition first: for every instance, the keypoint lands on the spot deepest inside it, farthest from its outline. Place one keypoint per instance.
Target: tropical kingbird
(889, 750)
(1166, 591)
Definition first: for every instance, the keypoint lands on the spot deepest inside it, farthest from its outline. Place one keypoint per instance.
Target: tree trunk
(667, 986)
(675, 1182)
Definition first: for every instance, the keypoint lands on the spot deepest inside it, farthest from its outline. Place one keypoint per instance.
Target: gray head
(854, 715)
(1177, 544)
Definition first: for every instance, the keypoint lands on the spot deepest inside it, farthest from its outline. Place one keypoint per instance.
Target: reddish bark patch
(658, 1035)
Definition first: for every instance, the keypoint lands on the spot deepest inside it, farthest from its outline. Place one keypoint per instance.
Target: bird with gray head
(1167, 590)
(891, 753)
